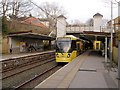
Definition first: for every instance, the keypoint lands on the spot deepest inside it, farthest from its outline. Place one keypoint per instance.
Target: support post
(119, 59)
(106, 49)
(111, 32)
(95, 38)
(50, 44)
(119, 46)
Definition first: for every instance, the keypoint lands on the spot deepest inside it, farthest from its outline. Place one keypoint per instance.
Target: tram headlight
(57, 55)
(68, 55)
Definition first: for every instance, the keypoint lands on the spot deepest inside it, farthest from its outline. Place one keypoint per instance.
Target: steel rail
(34, 78)
(29, 68)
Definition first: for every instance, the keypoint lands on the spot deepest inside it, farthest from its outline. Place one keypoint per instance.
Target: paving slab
(85, 79)
(93, 74)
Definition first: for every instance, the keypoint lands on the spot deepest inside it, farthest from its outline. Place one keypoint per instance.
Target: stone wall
(5, 46)
(115, 54)
(14, 62)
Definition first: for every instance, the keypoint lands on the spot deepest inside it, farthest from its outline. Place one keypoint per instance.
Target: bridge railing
(79, 29)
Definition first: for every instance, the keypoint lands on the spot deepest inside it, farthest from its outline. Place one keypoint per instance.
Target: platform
(86, 71)
(17, 55)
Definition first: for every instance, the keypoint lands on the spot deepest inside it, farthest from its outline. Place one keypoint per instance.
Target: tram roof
(72, 37)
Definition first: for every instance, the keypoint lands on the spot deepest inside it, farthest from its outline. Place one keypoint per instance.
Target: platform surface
(92, 74)
(16, 55)
(86, 71)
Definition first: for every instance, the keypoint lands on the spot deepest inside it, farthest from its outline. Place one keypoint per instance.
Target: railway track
(27, 72)
(21, 67)
(15, 79)
(37, 79)
(18, 62)
(13, 72)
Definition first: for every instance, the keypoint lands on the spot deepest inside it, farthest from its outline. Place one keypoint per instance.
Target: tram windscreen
(63, 45)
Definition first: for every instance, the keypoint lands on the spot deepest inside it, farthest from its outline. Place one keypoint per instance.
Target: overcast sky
(84, 9)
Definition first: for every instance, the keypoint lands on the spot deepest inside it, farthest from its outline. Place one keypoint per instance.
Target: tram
(67, 48)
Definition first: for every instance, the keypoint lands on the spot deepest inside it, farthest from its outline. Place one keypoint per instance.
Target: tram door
(78, 48)
(96, 45)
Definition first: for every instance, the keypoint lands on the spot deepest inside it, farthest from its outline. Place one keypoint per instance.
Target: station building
(30, 35)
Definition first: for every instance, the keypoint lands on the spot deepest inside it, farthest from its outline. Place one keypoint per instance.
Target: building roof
(75, 25)
(19, 32)
(22, 18)
(116, 21)
(61, 16)
(43, 19)
(98, 14)
(32, 35)
(34, 21)
(96, 33)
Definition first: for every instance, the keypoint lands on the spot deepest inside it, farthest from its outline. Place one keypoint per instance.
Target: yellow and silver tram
(67, 48)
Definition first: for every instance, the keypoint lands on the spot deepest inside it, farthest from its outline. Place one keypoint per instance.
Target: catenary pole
(111, 45)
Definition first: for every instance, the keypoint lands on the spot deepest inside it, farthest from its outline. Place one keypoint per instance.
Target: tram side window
(78, 46)
(73, 46)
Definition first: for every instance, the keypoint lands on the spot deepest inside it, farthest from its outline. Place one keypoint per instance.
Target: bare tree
(13, 9)
(89, 22)
(109, 1)
(51, 11)
(4, 7)
(76, 22)
(19, 7)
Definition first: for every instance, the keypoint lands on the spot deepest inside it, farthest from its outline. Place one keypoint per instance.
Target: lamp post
(111, 32)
